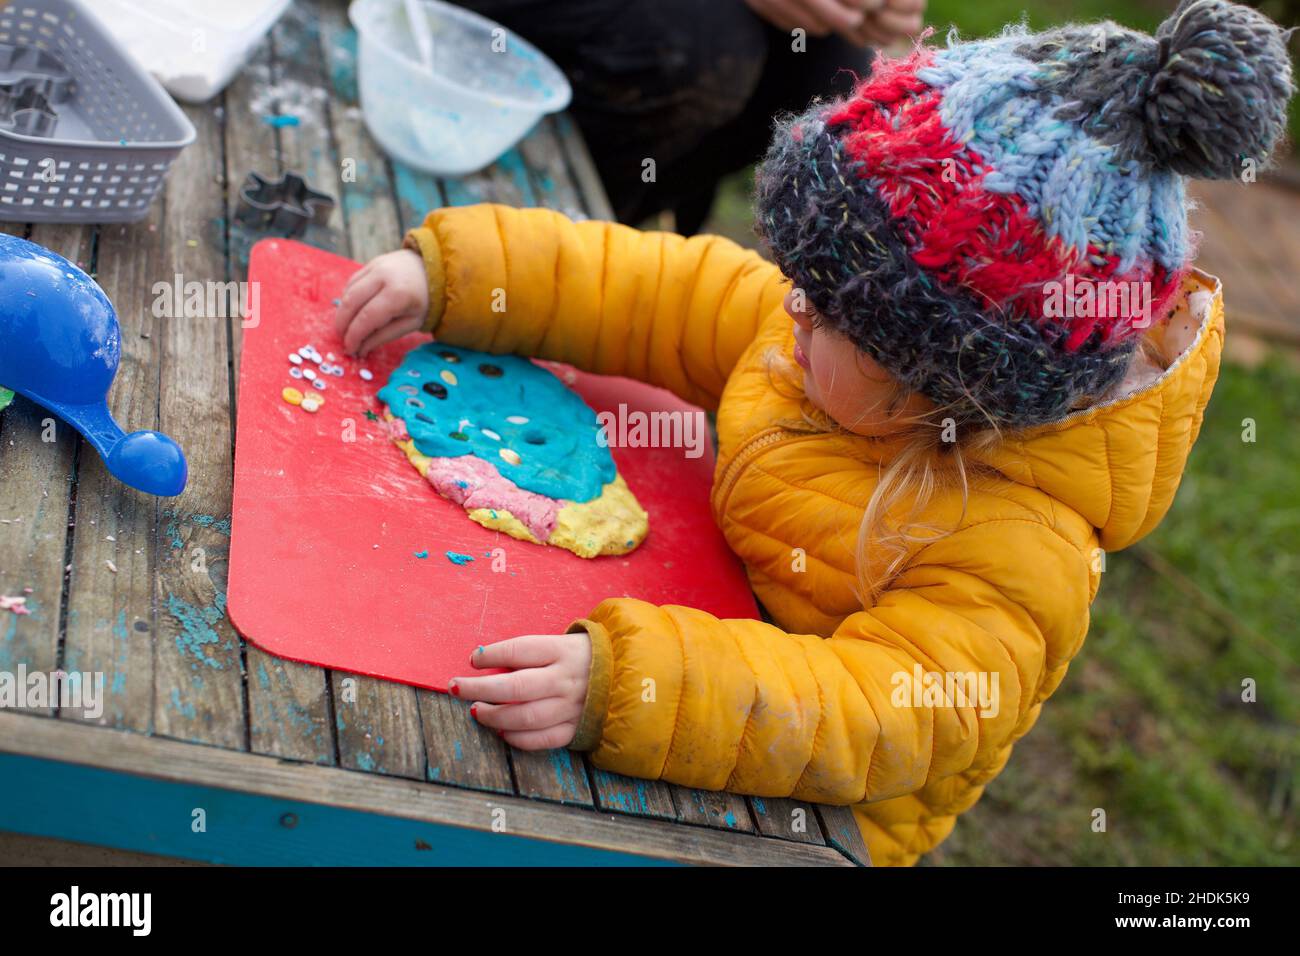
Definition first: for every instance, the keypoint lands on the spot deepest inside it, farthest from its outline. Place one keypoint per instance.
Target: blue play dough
(559, 455)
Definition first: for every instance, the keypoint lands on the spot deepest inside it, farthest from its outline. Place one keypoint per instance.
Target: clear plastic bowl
(486, 90)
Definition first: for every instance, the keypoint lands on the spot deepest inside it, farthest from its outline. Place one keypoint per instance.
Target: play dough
(511, 444)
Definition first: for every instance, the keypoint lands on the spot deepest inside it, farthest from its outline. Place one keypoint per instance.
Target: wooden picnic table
(208, 747)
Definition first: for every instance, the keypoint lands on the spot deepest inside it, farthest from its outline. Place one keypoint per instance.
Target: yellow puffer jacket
(805, 708)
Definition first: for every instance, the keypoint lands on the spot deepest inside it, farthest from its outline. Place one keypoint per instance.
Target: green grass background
(1150, 725)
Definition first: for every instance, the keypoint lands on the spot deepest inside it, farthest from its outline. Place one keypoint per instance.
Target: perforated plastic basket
(116, 134)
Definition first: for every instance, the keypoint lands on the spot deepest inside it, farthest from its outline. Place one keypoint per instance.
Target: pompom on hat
(935, 215)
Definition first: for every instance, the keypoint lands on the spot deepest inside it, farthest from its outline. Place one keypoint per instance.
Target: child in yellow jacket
(981, 364)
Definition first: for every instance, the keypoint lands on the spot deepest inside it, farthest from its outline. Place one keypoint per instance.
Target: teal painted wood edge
(84, 804)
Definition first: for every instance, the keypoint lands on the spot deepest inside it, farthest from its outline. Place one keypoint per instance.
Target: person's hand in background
(864, 22)
(894, 20)
(819, 17)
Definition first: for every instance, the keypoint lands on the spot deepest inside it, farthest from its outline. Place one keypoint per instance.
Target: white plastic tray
(193, 47)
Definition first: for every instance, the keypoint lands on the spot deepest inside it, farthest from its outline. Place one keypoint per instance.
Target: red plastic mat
(329, 516)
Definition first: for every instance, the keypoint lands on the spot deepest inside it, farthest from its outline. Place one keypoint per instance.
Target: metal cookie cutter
(31, 81)
(26, 66)
(27, 111)
(284, 206)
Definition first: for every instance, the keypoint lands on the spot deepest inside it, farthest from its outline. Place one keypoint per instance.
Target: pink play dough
(474, 483)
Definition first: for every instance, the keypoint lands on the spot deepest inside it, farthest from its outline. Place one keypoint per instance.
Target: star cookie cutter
(286, 206)
(23, 67)
(26, 110)
(31, 82)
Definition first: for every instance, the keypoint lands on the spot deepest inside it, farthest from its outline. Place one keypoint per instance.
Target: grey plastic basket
(116, 132)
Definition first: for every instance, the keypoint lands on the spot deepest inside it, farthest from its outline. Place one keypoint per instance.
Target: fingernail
(501, 734)
(479, 649)
(454, 688)
(473, 711)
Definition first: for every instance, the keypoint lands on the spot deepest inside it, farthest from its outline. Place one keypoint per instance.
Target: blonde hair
(927, 463)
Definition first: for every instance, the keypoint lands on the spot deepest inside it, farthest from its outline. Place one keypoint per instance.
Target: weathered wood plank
(36, 485)
(641, 798)
(418, 194)
(302, 92)
(460, 750)
(370, 793)
(583, 170)
(711, 808)
(378, 726)
(505, 181)
(288, 702)
(548, 171)
(787, 819)
(111, 617)
(368, 204)
(252, 145)
(558, 775)
(842, 832)
(199, 676)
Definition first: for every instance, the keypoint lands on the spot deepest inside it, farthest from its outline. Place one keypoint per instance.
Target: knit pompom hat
(997, 222)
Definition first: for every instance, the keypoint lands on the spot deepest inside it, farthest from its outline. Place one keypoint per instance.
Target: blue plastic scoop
(59, 346)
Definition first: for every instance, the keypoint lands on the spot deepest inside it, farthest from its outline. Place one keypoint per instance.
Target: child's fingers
(355, 294)
(532, 683)
(560, 735)
(530, 650)
(393, 330)
(359, 275)
(373, 315)
(534, 715)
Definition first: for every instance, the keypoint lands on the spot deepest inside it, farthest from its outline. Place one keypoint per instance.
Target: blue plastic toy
(59, 347)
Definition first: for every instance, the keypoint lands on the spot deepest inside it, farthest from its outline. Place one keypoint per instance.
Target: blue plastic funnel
(59, 346)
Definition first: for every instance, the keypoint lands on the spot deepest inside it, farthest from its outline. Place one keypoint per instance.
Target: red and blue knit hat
(954, 215)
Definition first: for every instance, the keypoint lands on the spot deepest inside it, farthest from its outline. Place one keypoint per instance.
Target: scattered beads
(292, 396)
(511, 457)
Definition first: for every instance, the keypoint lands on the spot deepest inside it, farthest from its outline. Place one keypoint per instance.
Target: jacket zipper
(759, 442)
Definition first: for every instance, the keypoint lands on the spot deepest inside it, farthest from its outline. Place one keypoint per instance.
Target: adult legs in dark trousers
(691, 85)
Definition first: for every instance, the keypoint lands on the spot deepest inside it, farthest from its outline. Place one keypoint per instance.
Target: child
(982, 364)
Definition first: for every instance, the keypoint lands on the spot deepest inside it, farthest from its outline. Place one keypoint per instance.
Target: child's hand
(385, 300)
(537, 705)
